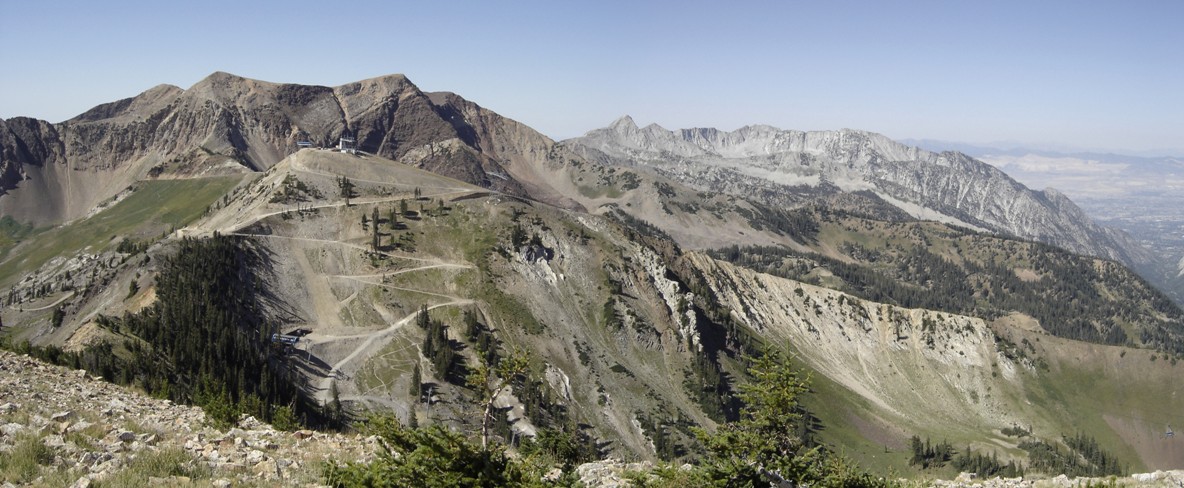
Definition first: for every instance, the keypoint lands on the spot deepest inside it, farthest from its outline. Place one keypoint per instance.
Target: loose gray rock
(11, 429)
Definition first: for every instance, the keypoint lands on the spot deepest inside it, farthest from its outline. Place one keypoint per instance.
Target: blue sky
(1083, 75)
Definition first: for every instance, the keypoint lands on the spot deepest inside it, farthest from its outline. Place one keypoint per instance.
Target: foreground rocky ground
(61, 428)
(64, 428)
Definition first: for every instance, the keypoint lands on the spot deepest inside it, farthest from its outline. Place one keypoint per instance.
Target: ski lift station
(302, 141)
(347, 143)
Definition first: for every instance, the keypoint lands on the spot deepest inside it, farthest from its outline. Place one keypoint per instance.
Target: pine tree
(762, 448)
(374, 236)
(416, 389)
(347, 189)
(517, 236)
(490, 382)
(335, 410)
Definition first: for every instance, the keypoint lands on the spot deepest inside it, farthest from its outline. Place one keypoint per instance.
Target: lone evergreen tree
(347, 189)
(490, 382)
(335, 410)
(374, 236)
(416, 389)
(763, 447)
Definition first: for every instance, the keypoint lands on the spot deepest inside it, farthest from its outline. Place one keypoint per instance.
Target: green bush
(428, 457)
(763, 447)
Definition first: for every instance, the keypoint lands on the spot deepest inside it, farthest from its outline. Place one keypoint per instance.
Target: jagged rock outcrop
(949, 186)
(226, 123)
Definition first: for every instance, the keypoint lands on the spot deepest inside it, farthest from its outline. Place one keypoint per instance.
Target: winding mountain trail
(349, 245)
(298, 165)
(366, 347)
(343, 358)
(242, 224)
(44, 307)
(346, 322)
(253, 207)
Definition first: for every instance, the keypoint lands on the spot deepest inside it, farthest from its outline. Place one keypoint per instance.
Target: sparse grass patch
(600, 191)
(24, 462)
(392, 362)
(511, 310)
(83, 439)
(12, 233)
(162, 463)
(133, 426)
(360, 311)
(19, 416)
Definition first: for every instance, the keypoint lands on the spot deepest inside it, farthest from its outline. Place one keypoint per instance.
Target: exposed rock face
(953, 354)
(763, 162)
(225, 123)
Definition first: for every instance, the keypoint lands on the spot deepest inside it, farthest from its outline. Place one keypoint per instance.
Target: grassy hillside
(153, 208)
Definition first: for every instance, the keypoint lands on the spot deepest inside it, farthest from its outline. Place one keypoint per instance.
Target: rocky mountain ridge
(949, 187)
(230, 124)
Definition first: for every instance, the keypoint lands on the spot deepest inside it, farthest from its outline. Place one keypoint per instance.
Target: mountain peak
(393, 77)
(221, 77)
(625, 123)
(141, 105)
(224, 86)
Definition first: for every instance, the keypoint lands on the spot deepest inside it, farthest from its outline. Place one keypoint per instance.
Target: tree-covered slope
(936, 267)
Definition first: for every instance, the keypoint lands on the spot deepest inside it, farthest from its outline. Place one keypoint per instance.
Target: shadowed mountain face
(227, 124)
(948, 186)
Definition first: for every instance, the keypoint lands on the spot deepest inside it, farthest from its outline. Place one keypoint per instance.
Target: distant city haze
(1074, 75)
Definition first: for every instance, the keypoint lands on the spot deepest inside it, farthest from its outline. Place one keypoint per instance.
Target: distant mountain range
(1142, 195)
(949, 186)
